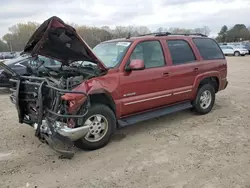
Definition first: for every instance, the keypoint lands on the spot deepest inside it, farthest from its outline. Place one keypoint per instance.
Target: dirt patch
(182, 150)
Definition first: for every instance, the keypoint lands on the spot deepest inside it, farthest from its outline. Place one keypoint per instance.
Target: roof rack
(168, 33)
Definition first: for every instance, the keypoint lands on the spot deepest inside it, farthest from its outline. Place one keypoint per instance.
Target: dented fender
(106, 84)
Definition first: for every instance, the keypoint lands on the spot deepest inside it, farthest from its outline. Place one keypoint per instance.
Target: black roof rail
(168, 33)
(189, 34)
(157, 34)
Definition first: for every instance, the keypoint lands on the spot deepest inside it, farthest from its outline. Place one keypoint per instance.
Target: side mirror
(136, 64)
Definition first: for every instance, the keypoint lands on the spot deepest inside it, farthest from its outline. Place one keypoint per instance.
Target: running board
(153, 114)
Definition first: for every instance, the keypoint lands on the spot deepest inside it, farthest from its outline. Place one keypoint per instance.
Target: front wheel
(236, 53)
(204, 100)
(102, 123)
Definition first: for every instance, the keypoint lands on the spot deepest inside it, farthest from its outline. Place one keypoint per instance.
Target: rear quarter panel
(211, 68)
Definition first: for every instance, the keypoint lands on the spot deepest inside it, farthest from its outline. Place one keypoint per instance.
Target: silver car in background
(234, 50)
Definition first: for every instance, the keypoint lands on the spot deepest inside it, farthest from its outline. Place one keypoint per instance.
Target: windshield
(111, 53)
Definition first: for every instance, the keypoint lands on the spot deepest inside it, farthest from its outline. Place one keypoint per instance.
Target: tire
(237, 53)
(107, 115)
(198, 105)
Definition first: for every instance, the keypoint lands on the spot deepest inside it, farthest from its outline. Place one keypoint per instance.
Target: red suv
(118, 83)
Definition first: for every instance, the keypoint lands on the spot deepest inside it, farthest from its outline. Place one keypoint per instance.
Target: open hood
(60, 41)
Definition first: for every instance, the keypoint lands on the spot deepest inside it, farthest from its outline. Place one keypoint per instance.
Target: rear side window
(180, 51)
(208, 48)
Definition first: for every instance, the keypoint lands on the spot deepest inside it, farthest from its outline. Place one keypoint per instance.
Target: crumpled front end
(49, 109)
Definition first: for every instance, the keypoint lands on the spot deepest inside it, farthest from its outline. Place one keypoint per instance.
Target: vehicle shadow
(153, 124)
(176, 121)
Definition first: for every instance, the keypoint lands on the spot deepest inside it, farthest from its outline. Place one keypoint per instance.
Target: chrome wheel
(98, 127)
(205, 99)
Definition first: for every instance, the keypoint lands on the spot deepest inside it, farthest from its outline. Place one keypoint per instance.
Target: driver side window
(150, 52)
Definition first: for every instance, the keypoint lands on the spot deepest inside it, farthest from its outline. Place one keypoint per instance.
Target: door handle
(196, 69)
(165, 74)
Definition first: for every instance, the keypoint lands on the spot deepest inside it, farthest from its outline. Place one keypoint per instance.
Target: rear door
(185, 67)
(212, 58)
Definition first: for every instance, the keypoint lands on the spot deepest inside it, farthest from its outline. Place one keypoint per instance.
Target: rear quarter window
(208, 48)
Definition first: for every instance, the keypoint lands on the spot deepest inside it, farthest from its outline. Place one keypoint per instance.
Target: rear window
(208, 48)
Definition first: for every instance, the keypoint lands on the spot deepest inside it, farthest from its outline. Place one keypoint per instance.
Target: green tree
(238, 33)
(222, 35)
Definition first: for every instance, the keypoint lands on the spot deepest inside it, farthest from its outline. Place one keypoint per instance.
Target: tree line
(238, 32)
(19, 34)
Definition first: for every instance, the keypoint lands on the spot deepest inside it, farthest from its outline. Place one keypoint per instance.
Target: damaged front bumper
(40, 105)
(60, 137)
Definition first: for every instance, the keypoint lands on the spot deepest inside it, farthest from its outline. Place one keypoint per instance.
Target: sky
(151, 13)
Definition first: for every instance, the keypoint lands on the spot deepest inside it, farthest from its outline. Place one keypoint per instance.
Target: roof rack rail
(189, 34)
(168, 33)
(156, 34)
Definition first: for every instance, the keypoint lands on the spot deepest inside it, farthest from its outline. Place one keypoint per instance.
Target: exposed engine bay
(66, 77)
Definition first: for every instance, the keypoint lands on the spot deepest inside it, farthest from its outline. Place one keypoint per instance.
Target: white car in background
(234, 50)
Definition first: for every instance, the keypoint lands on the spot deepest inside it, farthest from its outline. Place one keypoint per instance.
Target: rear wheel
(205, 98)
(102, 123)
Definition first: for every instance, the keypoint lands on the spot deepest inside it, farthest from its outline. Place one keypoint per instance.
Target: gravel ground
(182, 150)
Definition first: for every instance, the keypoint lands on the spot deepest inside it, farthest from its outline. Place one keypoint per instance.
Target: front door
(142, 90)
